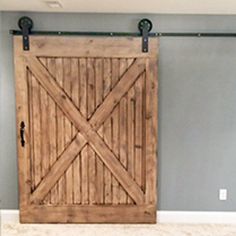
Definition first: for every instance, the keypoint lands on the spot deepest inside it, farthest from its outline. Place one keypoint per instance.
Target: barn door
(87, 129)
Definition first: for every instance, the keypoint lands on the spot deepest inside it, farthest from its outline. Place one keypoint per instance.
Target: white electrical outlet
(223, 194)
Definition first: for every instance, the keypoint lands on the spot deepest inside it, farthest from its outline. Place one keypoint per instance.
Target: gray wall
(197, 106)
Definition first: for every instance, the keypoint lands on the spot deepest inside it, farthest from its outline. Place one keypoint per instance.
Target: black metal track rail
(144, 26)
(157, 34)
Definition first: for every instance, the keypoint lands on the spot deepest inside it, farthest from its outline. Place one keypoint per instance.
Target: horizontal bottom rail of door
(89, 214)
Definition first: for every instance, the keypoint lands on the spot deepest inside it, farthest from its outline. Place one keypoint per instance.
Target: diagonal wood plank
(106, 155)
(121, 88)
(110, 160)
(58, 168)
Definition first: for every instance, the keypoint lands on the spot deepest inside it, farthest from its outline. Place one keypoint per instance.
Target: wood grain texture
(91, 115)
(31, 128)
(22, 113)
(76, 165)
(107, 173)
(84, 214)
(99, 78)
(85, 176)
(123, 130)
(151, 131)
(67, 84)
(37, 132)
(99, 47)
(131, 134)
(115, 145)
(115, 136)
(52, 121)
(138, 130)
(117, 92)
(91, 87)
(58, 168)
(43, 117)
(60, 131)
(123, 142)
(92, 176)
(80, 122)
(44, 126)
(77, 180)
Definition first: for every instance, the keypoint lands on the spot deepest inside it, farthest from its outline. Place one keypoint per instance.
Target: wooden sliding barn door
(87, 111)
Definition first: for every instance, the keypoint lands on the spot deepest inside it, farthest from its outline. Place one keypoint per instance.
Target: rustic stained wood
(90, 110)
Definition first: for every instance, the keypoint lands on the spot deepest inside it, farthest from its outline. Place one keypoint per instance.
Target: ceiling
(125, 6)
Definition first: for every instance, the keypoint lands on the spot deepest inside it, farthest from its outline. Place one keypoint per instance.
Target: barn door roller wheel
(25, 24)
(145, 26)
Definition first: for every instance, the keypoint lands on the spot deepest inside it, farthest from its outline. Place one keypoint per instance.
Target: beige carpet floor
(117, 230)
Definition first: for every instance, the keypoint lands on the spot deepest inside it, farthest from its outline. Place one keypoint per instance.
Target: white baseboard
(174, 217)
(9, 216)
(196, 217)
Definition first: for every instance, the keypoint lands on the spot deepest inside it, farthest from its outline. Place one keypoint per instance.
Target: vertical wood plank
(68, 129)
(151, 130)
(92, 174)
(138, 130)
(25, 154)
(76, 165)
(100, 176)
(75, 86)
(45, 147)
(37, 130)
(116, 189)
(31, 126)
(68, 89)
(131, 125)
(60, 131)
(107, 70)
(107, 81)
(83, 87)
(123, 64)
(83, 109)
(91, 87)
(123, 142)
(91, 101)
(107, 173)
(44, 127)
(99, 65)
(130, 118)
(99, 181)
(123, 130)
(77, 179)
(84, 175)
(52, 121)
(143, 174)
(115, 71)
(115, 130)
(99, 81)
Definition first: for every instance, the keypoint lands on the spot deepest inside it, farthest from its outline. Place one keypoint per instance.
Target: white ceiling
(126, 6)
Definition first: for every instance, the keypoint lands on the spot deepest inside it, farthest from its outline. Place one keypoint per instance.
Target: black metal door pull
(22, 133)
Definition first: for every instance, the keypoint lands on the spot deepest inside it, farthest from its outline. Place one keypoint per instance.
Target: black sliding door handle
(22, 133)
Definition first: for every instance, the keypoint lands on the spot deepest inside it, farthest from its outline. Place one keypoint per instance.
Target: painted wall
(197, 106)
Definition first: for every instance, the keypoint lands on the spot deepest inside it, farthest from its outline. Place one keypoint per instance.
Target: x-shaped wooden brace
(87, 129)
